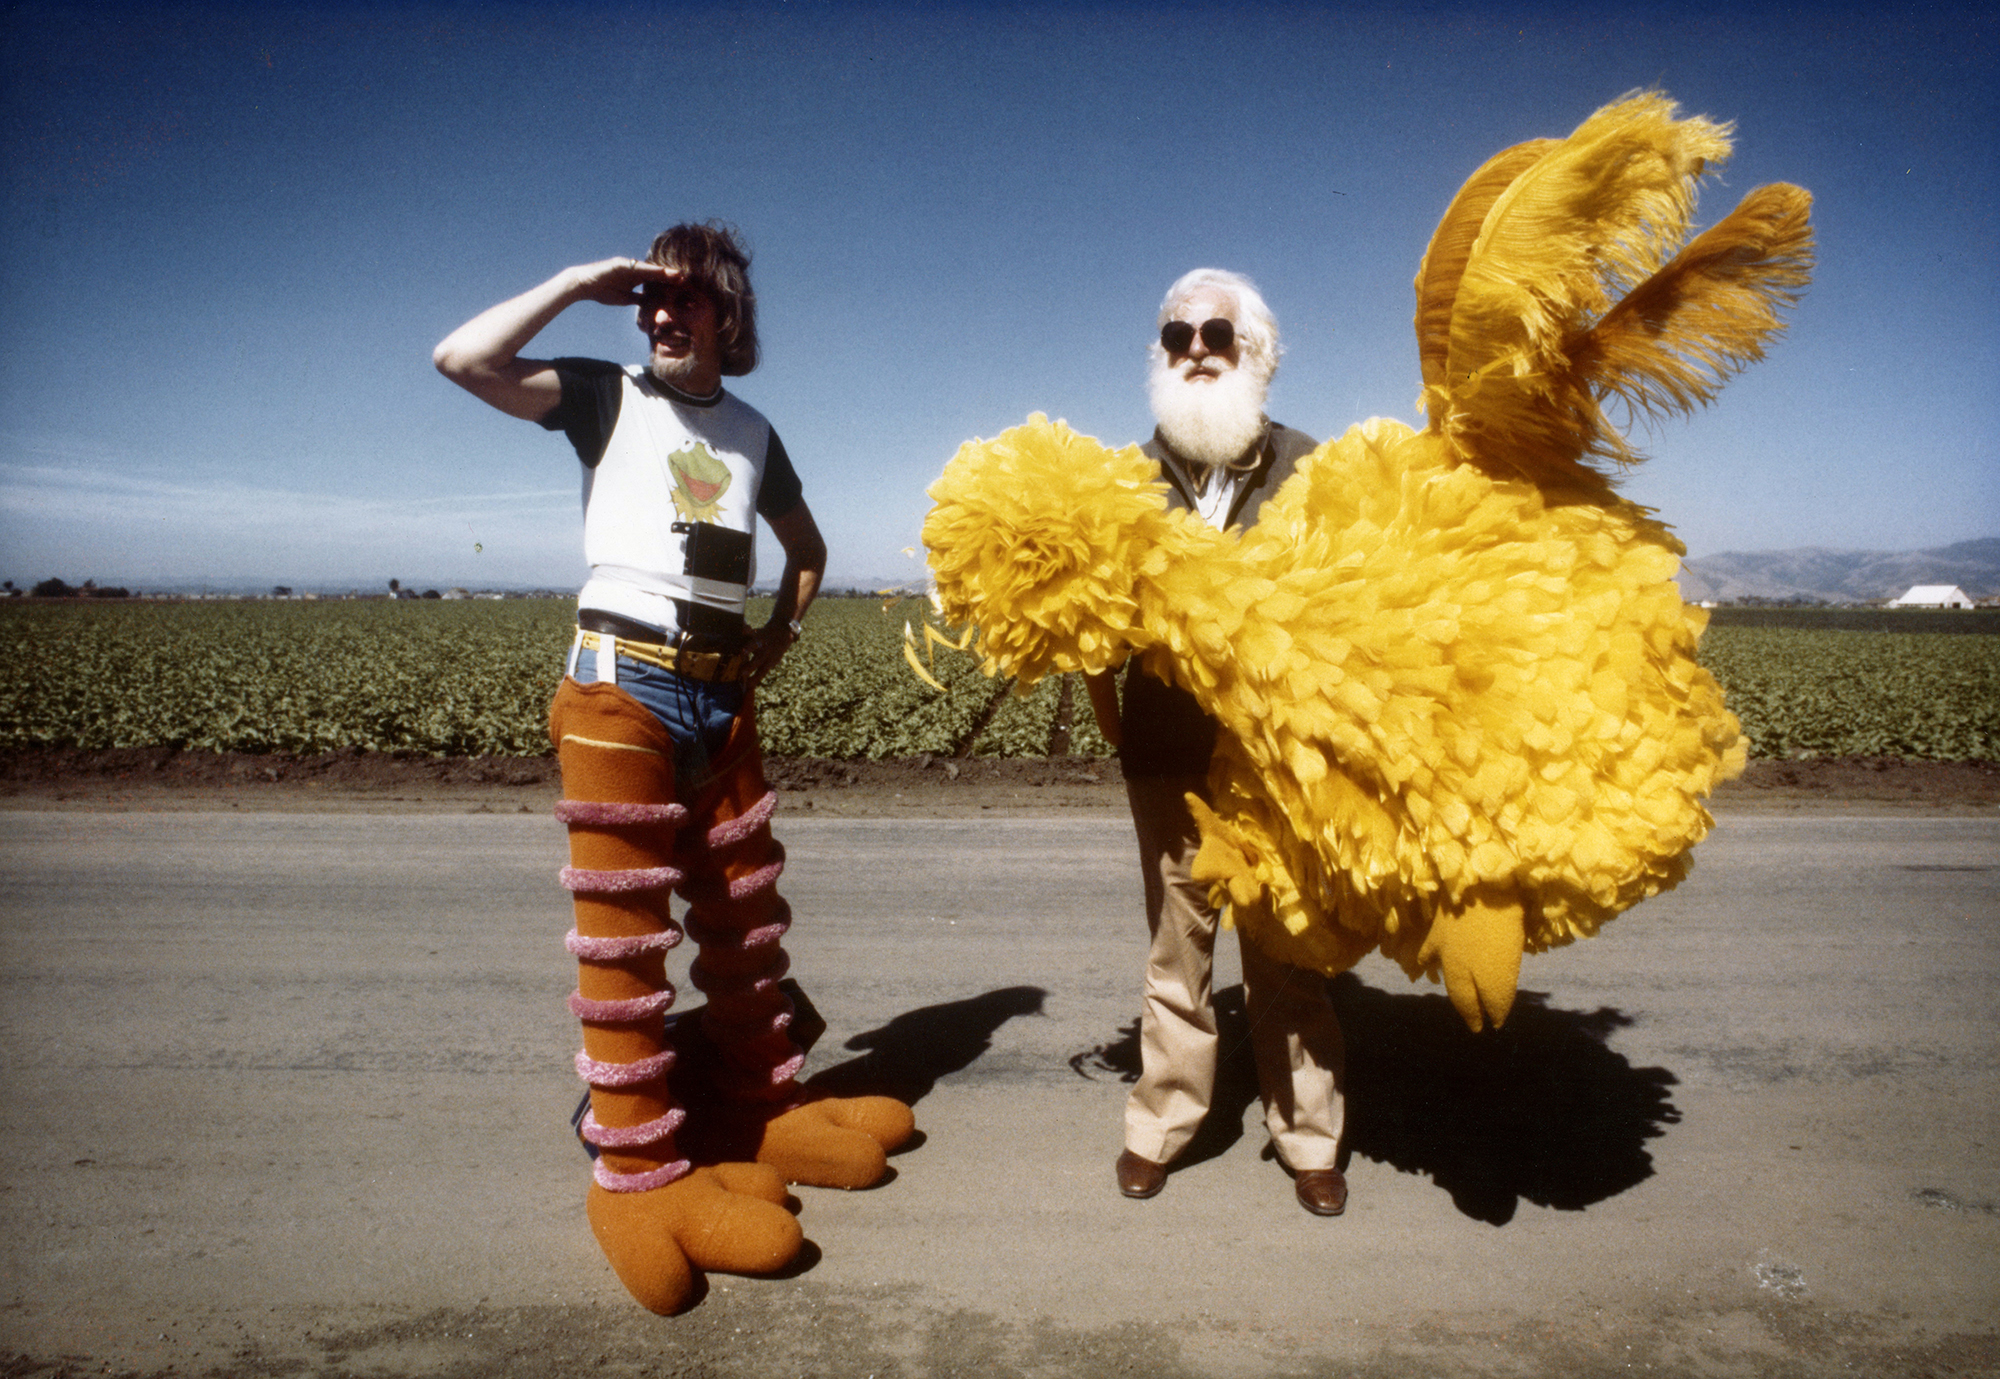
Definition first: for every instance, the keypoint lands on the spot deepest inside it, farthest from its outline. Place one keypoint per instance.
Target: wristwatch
(798, 628)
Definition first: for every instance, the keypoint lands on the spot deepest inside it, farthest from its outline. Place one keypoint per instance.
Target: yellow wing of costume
(1463, 714)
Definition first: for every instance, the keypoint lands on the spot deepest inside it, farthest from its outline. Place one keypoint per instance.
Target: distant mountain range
(1810, 573)
(1829, 576)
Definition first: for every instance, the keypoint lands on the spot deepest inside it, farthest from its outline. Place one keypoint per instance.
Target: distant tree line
(89, 589)
(57, 589)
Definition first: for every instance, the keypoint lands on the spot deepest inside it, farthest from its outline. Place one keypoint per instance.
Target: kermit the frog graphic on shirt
(700, 480)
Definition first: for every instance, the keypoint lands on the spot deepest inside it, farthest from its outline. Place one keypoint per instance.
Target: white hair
(1256, 327)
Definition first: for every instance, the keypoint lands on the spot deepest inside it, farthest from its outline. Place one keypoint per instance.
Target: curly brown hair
(712, 256)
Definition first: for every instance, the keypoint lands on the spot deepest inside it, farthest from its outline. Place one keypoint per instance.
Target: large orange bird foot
(729, 1218)
(814, 1140)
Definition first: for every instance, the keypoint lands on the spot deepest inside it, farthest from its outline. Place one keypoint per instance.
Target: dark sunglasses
(1216, 333)
(653, 296)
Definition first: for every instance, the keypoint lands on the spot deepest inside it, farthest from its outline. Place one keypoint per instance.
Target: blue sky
(230, 236)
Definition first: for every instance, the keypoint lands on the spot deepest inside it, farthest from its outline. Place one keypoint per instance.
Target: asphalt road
(288, 1094)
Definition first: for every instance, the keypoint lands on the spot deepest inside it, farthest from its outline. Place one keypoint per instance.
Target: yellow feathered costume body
(1463, 716)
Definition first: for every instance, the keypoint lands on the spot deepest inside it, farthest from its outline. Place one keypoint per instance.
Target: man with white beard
(1221, 457)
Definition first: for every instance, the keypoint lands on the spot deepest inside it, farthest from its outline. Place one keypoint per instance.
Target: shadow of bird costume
(1463, 716)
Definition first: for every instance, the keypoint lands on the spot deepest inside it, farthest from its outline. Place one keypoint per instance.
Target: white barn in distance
(1933, 596)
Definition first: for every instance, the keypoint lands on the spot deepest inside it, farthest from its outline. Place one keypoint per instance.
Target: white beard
(1208, 423)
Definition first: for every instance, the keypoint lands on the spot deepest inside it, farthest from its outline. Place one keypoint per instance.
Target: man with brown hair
(663, 778)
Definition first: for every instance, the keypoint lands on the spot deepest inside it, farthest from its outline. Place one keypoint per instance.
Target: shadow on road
(906, 1057)
(1541, 1110)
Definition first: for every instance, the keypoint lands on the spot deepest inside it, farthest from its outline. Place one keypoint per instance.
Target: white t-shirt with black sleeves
(657, 465)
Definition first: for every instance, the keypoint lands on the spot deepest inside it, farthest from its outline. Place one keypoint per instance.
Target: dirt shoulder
(909, 787)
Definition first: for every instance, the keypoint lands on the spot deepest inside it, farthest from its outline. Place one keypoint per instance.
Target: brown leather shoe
(1322, 1191)
(1140, 1177)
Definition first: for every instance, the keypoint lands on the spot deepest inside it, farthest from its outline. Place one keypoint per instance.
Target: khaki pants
(1293, 1033)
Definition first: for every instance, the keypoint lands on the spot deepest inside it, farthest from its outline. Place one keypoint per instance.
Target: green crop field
(458, 678)
(470, 678)
(423, 676)
(1804, 692)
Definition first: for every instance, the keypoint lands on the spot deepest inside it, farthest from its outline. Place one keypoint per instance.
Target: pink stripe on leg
(595, 949)
(622, 1074)
(641, 1182)
(755, 883)
(613, 813)
(774, 1085)
(630, 1136)
(620, 1012)
(708, 936)
(623, 882)
(743, 825)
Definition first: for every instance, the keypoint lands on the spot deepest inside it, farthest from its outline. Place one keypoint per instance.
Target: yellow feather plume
(1595, 214)
(1677, 337)
(1451, 246)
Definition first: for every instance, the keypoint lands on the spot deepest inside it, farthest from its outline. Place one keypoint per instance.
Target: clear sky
(231, 235)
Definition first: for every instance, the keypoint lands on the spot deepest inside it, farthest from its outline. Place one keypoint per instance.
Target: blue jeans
(697, 714)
